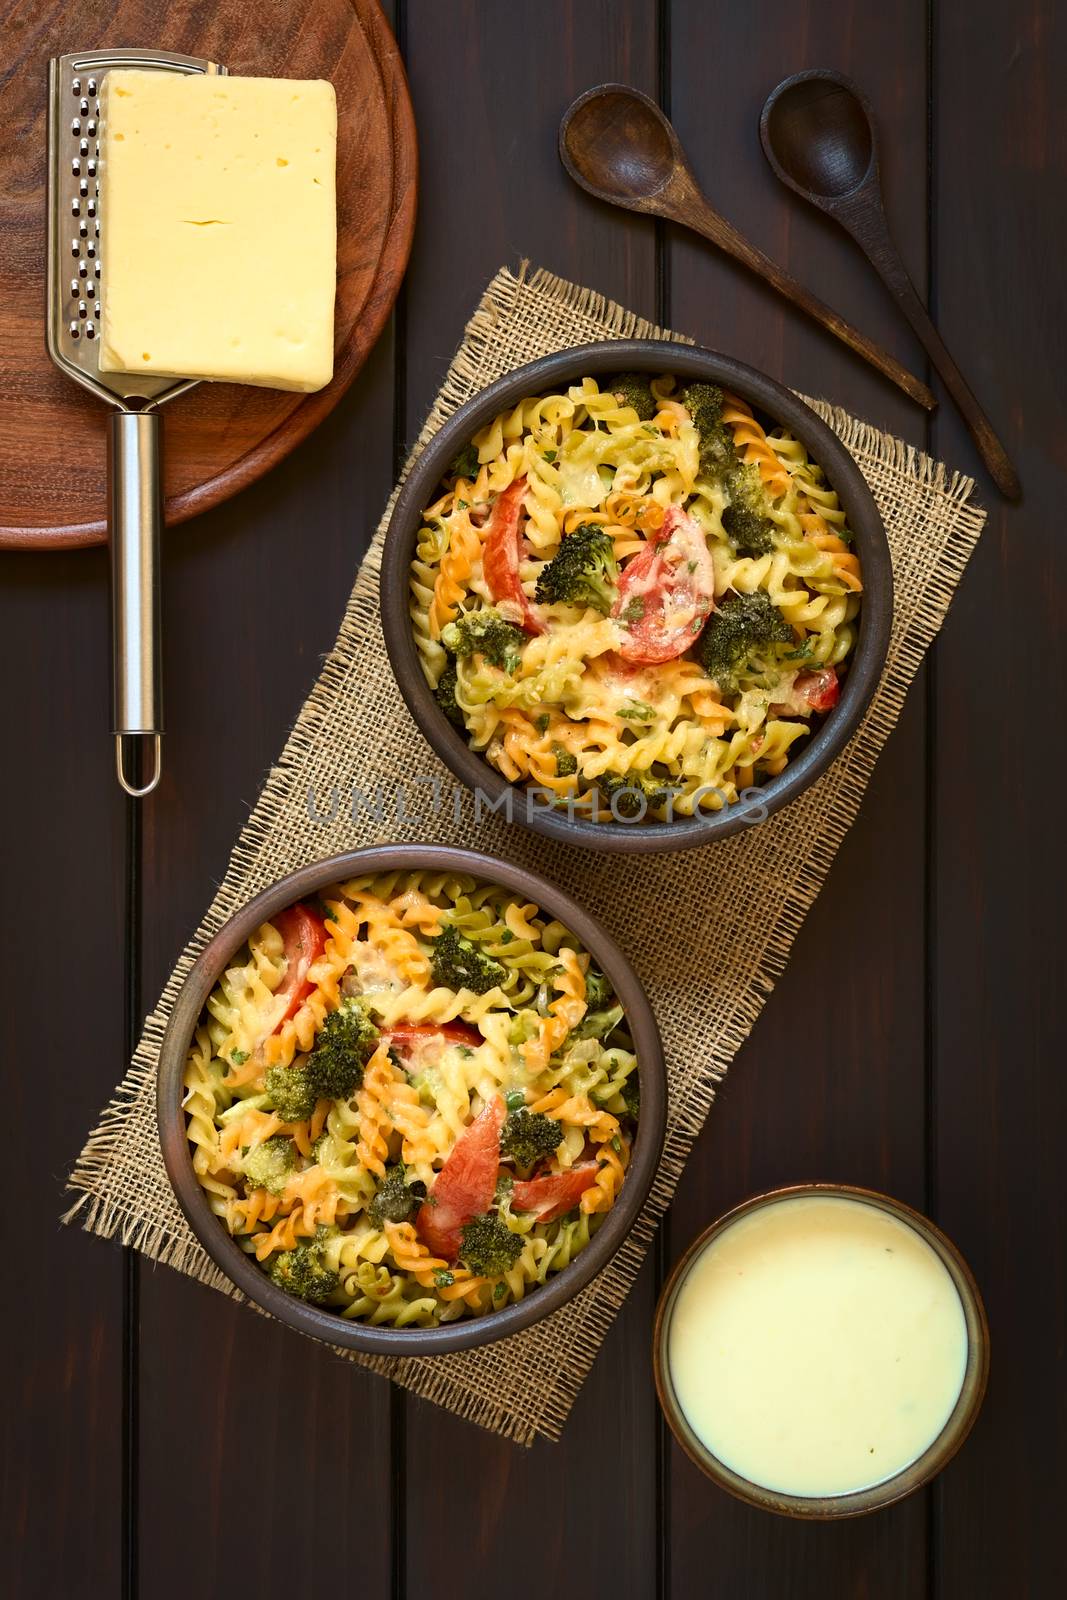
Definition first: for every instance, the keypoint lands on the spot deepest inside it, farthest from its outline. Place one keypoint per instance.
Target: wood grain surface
(219, 437)
(162, 1442)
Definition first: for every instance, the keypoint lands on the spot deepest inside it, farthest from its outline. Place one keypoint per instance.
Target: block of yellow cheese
(218, 216)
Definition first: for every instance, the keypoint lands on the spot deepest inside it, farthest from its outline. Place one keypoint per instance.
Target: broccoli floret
(583, 571)
(345, 1043)
(749, 533)
(303, 1273)
(598, 1024)
(268, 1166)
(485, 633)
(633, 389)
(627, 789)
(291, 1092)
(631, 1094)
(332, 1071)
(528, 1135)
(598, 990)
(741, 624)
(489, 1248)
(745, 519)
(466, 464)
(459, 964)
(718, 454)
(505, 1183)
(395, 1199)
(566, 764)
(445, 695)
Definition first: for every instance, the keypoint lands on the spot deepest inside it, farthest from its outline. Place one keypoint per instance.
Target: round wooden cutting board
(218, 437)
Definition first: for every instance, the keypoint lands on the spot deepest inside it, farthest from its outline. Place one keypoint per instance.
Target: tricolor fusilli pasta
(634, 597)
(412, 1099)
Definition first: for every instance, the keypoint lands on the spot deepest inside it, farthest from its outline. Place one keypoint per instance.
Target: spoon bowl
(819, 135)
(618, 145)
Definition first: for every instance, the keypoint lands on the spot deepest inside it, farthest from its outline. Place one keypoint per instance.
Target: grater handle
(135, 517)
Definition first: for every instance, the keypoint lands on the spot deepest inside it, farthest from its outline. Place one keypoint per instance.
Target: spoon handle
(695, 212)
(866, 223)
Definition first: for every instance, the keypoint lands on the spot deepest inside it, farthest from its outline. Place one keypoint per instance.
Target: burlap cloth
(708, 955)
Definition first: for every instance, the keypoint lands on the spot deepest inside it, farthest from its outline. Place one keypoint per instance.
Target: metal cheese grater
(135, 509)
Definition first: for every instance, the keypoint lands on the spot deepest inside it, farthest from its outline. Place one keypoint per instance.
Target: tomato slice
(556, 1193)
(409, 1035)
(303, 939)
(465, 1185)
(666, 592)
(502, 553)
(820, 689)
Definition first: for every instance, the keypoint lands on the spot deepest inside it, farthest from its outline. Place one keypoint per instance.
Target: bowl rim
(766, 395)
(468, 1332)
(914, 1476)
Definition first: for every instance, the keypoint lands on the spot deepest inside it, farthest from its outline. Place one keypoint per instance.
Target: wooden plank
(1000, 1096)
(244, 1426)
(832, 1083)
(61, 1438)
(492, 191)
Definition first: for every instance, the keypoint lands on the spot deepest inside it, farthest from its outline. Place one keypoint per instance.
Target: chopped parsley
(633, 610)
(637, 711)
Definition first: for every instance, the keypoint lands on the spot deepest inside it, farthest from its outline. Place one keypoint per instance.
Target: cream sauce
(817, 1346)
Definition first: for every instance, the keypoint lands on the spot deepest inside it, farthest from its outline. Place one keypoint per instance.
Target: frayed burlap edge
(525, 1386)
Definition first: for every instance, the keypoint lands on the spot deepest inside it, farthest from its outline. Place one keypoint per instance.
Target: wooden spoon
(618, 145)
(818, 135)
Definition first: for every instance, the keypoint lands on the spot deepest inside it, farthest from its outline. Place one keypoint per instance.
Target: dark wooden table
(160, 1441)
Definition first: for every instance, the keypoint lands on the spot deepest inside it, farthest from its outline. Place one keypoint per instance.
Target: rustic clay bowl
(469, 1331)
(828, 1508)
(773, 404)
